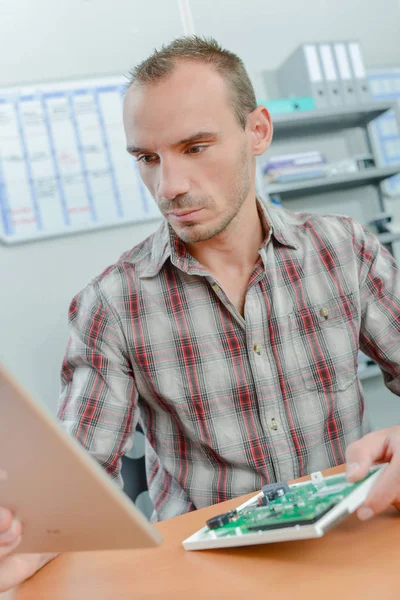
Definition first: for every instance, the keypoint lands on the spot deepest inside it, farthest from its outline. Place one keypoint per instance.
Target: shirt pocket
(325, 337)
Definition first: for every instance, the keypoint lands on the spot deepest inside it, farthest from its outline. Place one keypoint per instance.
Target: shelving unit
(335, 182)
(389, 238)
(324, 122)
(330, 119)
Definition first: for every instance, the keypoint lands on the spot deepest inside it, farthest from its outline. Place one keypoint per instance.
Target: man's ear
(259, 123)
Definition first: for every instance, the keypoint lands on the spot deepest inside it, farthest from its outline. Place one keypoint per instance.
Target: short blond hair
(162, 63)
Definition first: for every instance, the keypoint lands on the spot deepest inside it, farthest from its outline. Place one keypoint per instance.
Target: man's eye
(196, 149)
(146, 158)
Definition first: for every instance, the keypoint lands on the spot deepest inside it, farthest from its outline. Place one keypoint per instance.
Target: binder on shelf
(281, 106)
(301, 75)
(332, 82)
(342, 60)
(363, 91)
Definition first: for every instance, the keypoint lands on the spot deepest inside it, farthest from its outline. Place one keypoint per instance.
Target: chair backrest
(133, 473)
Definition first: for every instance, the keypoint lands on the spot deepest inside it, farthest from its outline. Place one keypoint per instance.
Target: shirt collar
(278, 224)
(166, 244)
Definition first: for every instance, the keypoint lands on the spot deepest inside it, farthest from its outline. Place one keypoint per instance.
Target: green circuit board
(281, 505)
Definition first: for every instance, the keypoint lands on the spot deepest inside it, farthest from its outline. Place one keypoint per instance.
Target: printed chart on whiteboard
(63, 163)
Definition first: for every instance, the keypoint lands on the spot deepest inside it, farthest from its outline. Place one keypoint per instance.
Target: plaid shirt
(229, 403)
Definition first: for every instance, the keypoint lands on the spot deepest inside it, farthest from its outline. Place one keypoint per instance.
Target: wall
(47, 40)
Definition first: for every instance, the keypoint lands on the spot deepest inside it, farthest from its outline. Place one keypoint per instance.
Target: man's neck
(236, 248)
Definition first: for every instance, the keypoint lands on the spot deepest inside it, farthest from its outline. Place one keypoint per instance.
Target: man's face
(193, 156)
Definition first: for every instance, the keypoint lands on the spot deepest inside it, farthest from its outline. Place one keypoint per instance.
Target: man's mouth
(184, 215)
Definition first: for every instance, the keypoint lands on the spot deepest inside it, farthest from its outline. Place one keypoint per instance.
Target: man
(232, 333)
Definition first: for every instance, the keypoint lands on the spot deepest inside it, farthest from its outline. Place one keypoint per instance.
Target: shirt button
(324, 312)
(257, 349)
(215, 287)
(273, 424)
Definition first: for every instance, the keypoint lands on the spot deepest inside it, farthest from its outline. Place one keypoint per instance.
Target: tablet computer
(65, 500)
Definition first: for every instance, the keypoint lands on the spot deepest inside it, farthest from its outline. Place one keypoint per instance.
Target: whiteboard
(63, 163)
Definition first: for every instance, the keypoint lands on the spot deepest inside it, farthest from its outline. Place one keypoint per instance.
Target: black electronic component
(291, 522)
(221, 520)
(272, 491)
(263, 500)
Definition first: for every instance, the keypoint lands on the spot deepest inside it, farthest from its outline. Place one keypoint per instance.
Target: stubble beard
(191, 233)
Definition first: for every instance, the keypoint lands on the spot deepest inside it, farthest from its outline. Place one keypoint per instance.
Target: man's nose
(173, 181)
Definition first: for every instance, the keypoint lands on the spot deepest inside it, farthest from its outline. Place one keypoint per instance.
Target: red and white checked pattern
(231, 403)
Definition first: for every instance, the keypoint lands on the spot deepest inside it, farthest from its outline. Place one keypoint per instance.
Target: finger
(5, 519)
(361, 455)
(384, 493)
(5, 550)
(14, 569)
(13, 532)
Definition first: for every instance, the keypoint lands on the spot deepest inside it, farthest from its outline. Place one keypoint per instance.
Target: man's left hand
(377, 447)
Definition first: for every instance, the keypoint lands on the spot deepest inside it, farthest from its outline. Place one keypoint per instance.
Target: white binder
(359, 72)
(342, 60)
(332, 82)
(301, 75)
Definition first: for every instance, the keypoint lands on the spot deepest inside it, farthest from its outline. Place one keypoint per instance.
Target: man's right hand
(15, 568)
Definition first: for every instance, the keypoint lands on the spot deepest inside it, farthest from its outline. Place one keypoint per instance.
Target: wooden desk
(356, 561)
